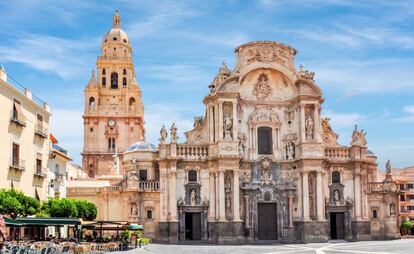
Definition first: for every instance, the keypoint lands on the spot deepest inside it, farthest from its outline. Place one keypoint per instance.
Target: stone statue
(173, 131)
(355, 136)
(290, 151)
(336, 197)
(198, 121)
(262, 89)
(227, 127)
(227, 184)
(193, 198)
(362, 138)
(163, 134)
(392, 209)
(388, 173)
(228, 201)
(309, 128)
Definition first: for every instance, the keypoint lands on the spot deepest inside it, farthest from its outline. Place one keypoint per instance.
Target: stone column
(235, 121)
(217, 198)
(246, 211)
(211, 123)
(290, 203)
(220, 121)
(163, 192)
(305, 195)
(212, 195)
(173, 194)
(319, 196)
(357, 195)
(236, 196)
(222, 210)
(302, 123)
(316, 124)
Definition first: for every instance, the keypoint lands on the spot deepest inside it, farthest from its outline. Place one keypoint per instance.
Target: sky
(361, 51)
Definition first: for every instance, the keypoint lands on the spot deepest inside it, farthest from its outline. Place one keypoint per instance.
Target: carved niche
(262, 89)
(111, 131)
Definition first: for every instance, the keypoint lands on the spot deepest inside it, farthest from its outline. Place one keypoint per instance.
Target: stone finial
(305, 73)
(362, 138)
(116, 20)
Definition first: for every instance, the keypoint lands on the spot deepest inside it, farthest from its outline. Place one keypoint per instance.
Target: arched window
(103, 71)
(114, 80)
(111, 143)
(192, 176)
(124, 71)
(131, 101)
(336, 177)
(103, 81)
(91, 102)
(264, 140)
(124, 82)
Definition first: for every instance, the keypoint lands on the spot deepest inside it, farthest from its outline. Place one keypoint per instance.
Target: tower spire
(116, 20)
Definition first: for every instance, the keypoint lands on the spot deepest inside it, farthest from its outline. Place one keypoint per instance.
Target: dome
(116, 34)
(370, 153)
(142, 146)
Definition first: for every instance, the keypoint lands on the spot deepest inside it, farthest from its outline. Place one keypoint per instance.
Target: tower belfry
(114, 113)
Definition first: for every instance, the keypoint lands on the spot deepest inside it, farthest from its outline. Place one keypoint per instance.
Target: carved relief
(262, 89)
(228, 196)
(111, 131)
(290, 151)
(305, 73)
(289, 114)
(266, 54)
(198, 122)
(245, 177)
(263, 115)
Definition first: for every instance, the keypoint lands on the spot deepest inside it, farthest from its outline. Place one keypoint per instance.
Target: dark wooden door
(193, 226)
(196, 234)
(267, 221)
(337, 225)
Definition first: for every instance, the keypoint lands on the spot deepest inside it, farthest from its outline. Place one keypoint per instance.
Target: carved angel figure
(290, 151)
(362, 138)
(163, 134)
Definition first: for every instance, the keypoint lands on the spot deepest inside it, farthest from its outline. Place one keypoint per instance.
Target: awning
(48, 221)
(12, 223)
(136, 226)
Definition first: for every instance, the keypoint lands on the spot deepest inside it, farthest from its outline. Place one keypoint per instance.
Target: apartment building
(24, 138)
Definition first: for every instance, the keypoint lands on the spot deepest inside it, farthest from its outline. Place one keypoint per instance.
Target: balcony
(337, 152)
(191, 152)
(113, 110)
(40, 172)
(381, 187)
(149, 185)
(41, 131)
(15, 119)
(18, 165)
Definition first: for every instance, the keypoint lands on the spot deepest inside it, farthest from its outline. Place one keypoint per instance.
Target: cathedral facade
(261, 164)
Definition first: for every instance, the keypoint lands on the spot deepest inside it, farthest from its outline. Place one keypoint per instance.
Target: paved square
(404, 246)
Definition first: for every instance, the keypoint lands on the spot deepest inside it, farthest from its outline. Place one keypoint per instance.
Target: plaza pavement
(405, 246)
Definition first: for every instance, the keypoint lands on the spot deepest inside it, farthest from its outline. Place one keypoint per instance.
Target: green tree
(56, 207)
(408, 225)
(86, 209)
(15, 203)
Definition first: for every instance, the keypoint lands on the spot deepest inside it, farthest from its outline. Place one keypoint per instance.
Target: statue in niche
(134, 209)
(227, 127)
(227, 184)
(392, 209)
(173, 131)
(262, 89)
(228, 202)
(163, 134)
(309, 127)
(336, 198)
(193, 197)
(362, 138)
(290, 150)
(355, 136)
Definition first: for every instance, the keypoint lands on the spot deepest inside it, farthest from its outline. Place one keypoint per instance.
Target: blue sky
(362, 53)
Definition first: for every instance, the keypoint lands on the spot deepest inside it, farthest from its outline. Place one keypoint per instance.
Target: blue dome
(371, 153)
(142, 146)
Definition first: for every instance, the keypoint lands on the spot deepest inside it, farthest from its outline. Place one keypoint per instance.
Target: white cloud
(343, 120)
(409, 109)
(48, 53)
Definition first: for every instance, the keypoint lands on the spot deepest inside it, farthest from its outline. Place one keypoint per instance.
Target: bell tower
(114, 113)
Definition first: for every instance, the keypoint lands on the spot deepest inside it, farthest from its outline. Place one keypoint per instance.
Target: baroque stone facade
(260, 165)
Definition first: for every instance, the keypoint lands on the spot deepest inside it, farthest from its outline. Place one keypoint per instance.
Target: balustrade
(192, 152)
(337, 152)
